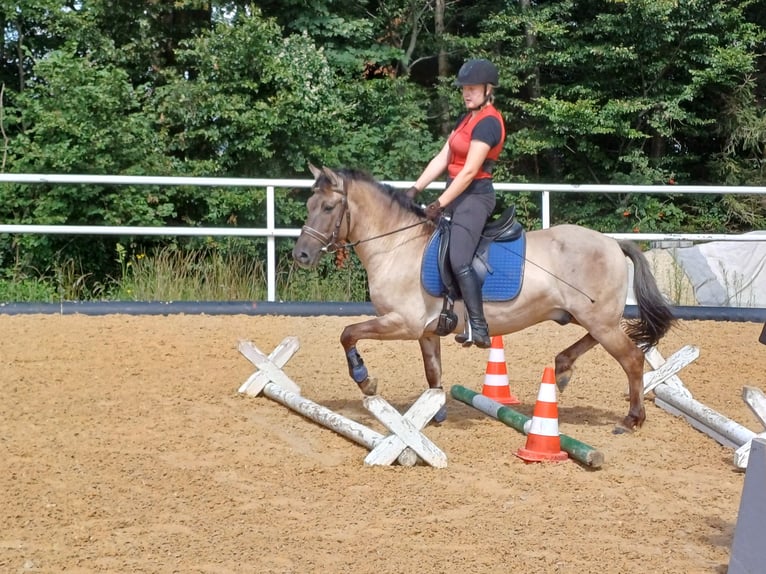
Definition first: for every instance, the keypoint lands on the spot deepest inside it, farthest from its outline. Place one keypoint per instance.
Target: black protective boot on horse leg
(476, 330)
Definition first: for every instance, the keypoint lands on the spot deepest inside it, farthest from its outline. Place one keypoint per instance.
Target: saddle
(501, 248)
(504, 228)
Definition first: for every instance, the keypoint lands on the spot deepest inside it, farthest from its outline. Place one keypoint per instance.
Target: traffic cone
(496, 386)
(543, 441)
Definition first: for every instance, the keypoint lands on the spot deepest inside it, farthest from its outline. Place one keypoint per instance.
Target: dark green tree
(621, 92)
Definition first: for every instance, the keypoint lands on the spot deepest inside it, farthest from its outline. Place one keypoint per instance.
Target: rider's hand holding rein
(434, 211)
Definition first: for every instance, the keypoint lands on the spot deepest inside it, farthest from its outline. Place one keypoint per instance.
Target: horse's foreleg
(385, 327)
(565, 360)
(357, 370)
(430, 348)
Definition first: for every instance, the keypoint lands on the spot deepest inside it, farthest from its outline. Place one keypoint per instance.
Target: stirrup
(466, 338)
(447, 318)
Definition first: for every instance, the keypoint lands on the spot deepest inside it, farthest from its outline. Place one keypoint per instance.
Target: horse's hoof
(441, 414)
(562, 381)
(368, 387)
(628, 425)
(633, 422)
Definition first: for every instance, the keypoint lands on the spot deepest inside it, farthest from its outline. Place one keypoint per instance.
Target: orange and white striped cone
(496, 385)
(543, 441)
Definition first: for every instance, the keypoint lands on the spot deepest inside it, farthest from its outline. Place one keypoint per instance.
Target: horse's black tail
(655, 318)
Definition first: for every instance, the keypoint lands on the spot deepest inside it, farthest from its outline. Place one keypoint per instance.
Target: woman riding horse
(572, 275)
(468, 156)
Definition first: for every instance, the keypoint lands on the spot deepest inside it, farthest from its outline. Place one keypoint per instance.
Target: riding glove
(412, 192)
(434, 211)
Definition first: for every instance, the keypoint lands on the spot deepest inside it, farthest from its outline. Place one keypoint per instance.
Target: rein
(331, 244)
(355, 243)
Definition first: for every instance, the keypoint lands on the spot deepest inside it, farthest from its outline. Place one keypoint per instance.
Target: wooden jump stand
(405, 443)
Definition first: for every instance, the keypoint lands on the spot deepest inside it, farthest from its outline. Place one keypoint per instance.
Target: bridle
(331, 244)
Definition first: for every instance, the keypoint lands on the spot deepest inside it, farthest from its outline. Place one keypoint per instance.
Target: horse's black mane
(397, 196)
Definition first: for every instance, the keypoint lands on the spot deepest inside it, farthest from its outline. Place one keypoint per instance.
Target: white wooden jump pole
(672, 396)
(272, 381)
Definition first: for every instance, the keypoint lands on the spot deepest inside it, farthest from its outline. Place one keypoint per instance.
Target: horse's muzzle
(305, 259)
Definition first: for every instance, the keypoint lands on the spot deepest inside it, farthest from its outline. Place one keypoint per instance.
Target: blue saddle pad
(505, 269)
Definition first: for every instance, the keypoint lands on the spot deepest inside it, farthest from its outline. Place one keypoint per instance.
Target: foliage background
(604, 91)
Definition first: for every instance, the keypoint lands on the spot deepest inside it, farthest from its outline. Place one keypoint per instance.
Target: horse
(572, 274)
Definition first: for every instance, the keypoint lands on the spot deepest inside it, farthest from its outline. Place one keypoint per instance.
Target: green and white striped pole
(579, 451)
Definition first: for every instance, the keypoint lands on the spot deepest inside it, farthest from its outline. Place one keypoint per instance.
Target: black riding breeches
(470, 212)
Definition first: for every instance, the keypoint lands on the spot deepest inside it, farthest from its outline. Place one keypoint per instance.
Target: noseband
(331, 244)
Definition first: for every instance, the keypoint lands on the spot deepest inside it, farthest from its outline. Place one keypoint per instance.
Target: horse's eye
(328, 207)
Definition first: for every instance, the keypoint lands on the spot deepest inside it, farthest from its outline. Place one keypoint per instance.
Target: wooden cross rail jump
(672, 396)
(405, 443)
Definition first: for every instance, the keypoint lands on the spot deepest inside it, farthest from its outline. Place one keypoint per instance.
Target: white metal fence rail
(271, 232)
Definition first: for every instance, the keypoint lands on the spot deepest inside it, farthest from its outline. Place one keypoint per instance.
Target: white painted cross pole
(406, 429)
(665, 370)
(672, 396)
(756, 400)
(272, 381)
(270, 367)
(277, 358)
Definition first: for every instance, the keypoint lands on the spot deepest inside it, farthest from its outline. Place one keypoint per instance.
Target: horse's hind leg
(565, 360)
(617, 343)
(625, 352)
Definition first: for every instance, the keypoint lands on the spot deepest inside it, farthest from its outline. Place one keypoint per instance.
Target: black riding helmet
(477, 71)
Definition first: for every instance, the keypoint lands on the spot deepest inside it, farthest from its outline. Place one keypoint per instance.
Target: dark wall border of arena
(306, 309)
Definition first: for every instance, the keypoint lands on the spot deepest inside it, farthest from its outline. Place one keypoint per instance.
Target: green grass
(26, 290)
(204, 274)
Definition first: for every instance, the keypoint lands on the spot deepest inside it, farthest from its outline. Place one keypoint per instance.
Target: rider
(468, 156)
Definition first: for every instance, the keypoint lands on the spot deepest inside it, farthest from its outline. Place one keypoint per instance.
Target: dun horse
(573, 275)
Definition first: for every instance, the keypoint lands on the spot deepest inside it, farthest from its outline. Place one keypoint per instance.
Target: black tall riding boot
(476, 330)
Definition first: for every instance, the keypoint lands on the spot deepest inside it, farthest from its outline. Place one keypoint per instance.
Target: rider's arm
(435, 168)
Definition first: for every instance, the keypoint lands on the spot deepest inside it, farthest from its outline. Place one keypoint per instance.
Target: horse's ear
(337, 181)
(315, 171)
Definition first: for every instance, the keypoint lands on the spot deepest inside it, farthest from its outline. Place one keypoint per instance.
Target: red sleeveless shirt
(460, 141)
